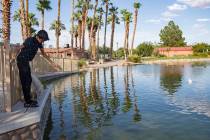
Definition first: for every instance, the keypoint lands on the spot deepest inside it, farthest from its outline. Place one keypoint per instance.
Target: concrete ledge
(55, 75)
(19, 118)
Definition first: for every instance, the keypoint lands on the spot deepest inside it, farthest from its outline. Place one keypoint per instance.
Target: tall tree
(127, 18)
(84, 5)
(93, 35)
(57, 26)
(171, 35)
(72, 25)
(105, 28)
(113, 19)
(78, 18)
(32, 21)
(6, 13)
(27, 22)
(23, 19)
(92, 23)
(43, 5)
(100, 12)
(136, 5)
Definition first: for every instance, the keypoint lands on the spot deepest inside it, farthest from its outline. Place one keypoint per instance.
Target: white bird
(189, 81)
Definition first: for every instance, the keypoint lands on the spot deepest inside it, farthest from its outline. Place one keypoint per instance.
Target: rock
(16, 137)
(4, 137)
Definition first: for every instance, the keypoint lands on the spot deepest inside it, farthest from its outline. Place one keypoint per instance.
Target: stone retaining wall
(32, 132)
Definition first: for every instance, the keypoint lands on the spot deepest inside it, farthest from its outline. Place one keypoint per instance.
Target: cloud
(155, 21)
(203, 19)
(177, 7)
(200, 29)
(196, 3)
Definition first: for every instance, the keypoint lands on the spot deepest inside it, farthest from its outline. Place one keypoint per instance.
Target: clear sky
(191, 15)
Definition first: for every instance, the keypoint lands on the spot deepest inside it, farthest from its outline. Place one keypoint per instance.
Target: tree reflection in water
(171, 78)
(94, 100)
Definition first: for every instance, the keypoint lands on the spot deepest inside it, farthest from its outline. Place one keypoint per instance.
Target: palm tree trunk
(80, 34)
(94, 45)
(125, 50)
(6, 7)
(76, 38)
(42, 25)
(112, 35)
(27, 22)
(127, 37)
(23, 19)
(84, 19)
(98, 40)
(92, 23)
(72, 25)
(134, 31)
(107, 7)
(58, 28)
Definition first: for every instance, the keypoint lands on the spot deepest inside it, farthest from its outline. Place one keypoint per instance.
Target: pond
(147, 102)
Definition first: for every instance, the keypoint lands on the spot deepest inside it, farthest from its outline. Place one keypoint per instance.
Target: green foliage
(57, 26)
(102, 50)
(119, 53)
(0, 32)
(201, 48)
(197, 54)
(81, 63)
(137, 5)
(134, 58)
(145, 49)
(43, 5)
(171, 35)
(126, 15)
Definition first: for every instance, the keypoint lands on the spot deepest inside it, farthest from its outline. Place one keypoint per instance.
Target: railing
(10, 88)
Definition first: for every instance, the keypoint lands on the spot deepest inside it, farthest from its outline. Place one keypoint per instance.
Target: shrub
(81, 63)
(200, 54)
(201, 48)
(134, 58)
(145, 49)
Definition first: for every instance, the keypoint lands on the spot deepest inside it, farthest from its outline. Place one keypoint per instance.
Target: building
(71, 53)
(174, 51)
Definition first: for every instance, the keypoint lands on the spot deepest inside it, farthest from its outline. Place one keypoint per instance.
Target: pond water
(143, 102)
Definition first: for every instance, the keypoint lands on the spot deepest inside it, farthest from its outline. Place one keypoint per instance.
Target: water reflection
(171, 77)
(124, 102)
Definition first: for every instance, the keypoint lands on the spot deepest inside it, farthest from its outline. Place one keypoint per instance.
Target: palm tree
(57, 26)
(78, 18)
(100, 12)
(72, 25)
(84, 5)
(126, 17)
(106, 15)
(23, 19)
(137, 5)
(92, 23)
(6, 7)
(76, 34)
(32, 21)
(43, 5)
(26, 14)
(93, 36)
(113, 19)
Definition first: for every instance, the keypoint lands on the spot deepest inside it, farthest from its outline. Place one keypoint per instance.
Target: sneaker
(31, 104)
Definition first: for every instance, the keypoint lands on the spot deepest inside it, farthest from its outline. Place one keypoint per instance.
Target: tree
(145, 49)
(171, 35)
(137, 5)
(100, 12)
(106, 16)
(92, 26)
(0, 32)
(23, 20)
(113, 19)
(32, 21)
(72, 25)
(57, 26)
(78, 18)
(201, 48)
(27, 22)
(43, 5)
(127, 18)
(93, 35)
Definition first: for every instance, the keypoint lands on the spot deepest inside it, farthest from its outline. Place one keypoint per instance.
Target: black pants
(25, 78)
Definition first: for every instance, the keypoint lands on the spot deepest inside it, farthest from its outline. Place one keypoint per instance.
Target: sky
(192, 16)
